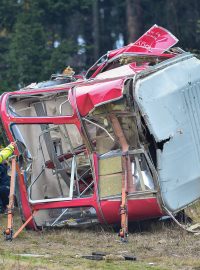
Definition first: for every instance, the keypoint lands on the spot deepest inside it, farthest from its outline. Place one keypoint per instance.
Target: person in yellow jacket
(7, 151)
(4, 178)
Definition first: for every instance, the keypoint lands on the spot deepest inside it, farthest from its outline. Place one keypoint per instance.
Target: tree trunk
(133, 18)
(96, 29)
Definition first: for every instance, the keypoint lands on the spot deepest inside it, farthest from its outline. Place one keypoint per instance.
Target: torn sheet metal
(155, 41)
(169, 100)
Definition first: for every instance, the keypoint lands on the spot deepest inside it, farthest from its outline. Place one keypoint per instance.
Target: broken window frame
(134, 154)
(42, 98)
(74, 175)
(72, 217)
(93, 121)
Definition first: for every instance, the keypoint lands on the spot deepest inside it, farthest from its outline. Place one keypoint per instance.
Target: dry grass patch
(158, 247)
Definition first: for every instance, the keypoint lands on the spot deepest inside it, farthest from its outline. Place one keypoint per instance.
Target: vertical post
(9, 231)
(96, 28)
(126, 176)
(133, 19)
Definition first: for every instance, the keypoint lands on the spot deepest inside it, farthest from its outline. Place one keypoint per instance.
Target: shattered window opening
(136, 60)
(141, 173)
(53, 105)
(70, 217)
(100, 128)
(101, 134)
(57, 169)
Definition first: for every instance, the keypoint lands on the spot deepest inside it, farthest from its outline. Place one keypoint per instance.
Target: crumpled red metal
(154, 42)
(94, 94)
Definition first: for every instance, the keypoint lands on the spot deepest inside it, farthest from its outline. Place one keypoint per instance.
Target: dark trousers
(4, 196)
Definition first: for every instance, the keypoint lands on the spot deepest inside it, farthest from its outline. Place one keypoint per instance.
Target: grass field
(156, 245)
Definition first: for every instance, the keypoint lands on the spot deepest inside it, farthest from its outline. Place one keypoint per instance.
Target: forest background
(41, 37)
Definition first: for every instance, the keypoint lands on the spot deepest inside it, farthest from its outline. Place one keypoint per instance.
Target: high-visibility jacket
(6, 152)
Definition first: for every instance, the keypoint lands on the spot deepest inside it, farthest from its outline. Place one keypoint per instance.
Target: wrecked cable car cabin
(121, 144)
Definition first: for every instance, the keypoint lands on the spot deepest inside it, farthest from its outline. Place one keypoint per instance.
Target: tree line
(41, 37)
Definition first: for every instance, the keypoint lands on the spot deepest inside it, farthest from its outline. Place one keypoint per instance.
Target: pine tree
(28, 48)
(8, 13)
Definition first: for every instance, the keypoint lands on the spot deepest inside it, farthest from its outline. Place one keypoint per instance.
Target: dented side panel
(94, 94)
(169, 99)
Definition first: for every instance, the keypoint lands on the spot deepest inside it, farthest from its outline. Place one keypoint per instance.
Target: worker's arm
(7, 152)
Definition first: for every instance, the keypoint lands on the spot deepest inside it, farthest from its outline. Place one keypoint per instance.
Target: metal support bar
(36, 178)
(87, 188)
(8, 233)
(95, 124)
(23, 225)
(81, 178)
(126, 175)
(77, 180)
(72, 177)
(57, 219)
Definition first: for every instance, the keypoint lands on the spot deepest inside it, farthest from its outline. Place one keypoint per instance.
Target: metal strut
(126, 176)
(191, 229)
(8, 233)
